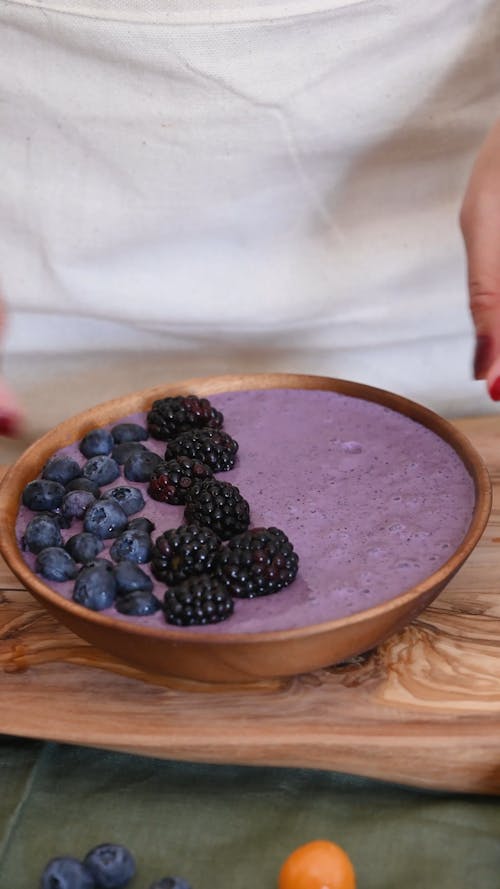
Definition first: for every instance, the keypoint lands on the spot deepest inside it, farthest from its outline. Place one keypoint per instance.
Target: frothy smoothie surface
(372, 502)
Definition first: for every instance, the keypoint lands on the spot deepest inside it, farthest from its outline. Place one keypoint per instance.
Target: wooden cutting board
(423, 709)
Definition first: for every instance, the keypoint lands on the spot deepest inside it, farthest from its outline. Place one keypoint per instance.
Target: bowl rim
(43, 447)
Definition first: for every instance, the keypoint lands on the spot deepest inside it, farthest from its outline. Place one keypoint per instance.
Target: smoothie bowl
(348, 510)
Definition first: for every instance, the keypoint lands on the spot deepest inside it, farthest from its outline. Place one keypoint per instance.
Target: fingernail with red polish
(9, 425)
(495, 390)
(483, 356)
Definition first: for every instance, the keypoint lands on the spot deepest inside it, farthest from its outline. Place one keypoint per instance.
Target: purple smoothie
(372, 501)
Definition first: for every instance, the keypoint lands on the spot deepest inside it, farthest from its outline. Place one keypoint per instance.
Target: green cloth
(228, 827)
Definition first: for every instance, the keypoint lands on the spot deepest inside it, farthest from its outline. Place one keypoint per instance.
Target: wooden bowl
(237, 657)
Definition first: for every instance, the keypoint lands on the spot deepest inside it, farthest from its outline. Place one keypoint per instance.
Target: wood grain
(423, 709)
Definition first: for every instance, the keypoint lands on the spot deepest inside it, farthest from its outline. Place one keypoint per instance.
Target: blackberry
(197, 600)
(183, 552)
(218, 506)
(256, 563)
(171, 480)
(170, 416)
(213, 447)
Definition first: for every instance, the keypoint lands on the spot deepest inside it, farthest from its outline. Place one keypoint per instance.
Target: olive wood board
(423, 709)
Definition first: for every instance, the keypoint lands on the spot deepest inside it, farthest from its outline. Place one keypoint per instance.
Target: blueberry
(62, 520)
(132, 545)
(101, 469)
(130, 578)
(95, 586)
(139, 466)
(125, 432)
(97, 441)
(54, 563)
(139, 603)
(42, 494)
(130, 499)
(111, 866)
(66, 873)
(84, 484)
(42, 531)
(141, 523)
(121, 452)
(105, 519)
(171, 883)
(61, 469)
(84, 547)
(76, 503)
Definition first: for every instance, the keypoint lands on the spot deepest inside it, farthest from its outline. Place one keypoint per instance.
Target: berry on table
(84, 547)
(196, 601)
(183, 552)
(95, 585)
(171, 480)
(101, 469)
(218, 506)
(54, 563)
(42, 494)
(213, 447)
(126, 432)
(175, 414)
(319, 864)
(105, 519)
(66, 873)
(130, 499)
(256, 563)
(112, 866)
(97, 441)
(61, 469)
(139, 466)
(41, 532)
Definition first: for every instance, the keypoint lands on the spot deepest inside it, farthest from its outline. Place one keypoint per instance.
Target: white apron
(274, 183)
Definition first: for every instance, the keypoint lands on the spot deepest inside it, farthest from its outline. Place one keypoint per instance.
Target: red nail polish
(495, 390)
(9, 425)
(483, 356)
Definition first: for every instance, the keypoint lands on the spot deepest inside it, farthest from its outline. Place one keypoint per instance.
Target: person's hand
(480, 223)
(10, 411)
